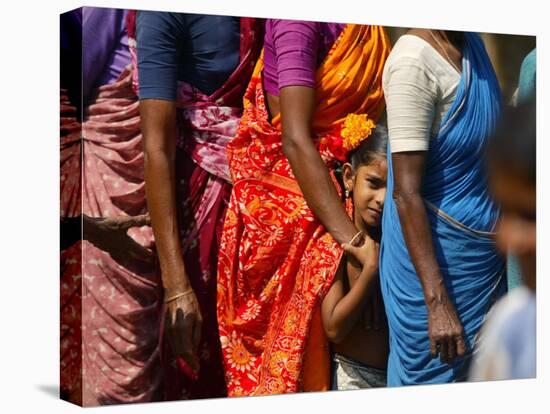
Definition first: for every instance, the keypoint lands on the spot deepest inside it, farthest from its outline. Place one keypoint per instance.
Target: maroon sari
(71, 257)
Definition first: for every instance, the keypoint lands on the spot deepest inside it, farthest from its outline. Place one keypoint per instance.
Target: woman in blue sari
(439, 269)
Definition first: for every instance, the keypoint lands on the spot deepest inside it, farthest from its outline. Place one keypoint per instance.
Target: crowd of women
(275, 206)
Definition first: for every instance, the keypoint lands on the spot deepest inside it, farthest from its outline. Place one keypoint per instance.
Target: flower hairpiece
(356, 129)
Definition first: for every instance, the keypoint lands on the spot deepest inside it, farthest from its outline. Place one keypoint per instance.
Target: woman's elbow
(403, 198)
(289, 144)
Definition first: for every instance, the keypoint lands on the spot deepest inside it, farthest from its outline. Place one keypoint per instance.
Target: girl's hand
(367, 254)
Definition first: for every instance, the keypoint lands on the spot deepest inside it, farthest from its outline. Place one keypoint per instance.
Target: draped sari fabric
(462, 217)
(276, 260)
(71, 257)
(121, 296)
(110, 312)
(206, 124)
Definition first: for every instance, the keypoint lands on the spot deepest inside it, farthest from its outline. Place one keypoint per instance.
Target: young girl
(352, 311)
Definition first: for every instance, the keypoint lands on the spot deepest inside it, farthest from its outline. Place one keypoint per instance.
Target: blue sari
(462, 217)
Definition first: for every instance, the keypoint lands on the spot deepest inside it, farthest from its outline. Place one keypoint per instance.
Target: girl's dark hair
(513, 145)
(373, 147)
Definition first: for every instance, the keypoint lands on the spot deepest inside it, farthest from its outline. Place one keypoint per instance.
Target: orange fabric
(350, 78)
(276, 260)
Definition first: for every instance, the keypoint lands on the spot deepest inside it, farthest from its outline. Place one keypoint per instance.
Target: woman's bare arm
(445, 328)
(158, 124)
(297, 109)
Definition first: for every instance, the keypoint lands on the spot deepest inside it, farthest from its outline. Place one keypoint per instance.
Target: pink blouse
(293, 50)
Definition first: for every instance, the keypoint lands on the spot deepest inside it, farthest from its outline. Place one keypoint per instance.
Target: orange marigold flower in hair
(356, 129)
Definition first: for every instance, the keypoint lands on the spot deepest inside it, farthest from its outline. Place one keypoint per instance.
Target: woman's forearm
(318, 188)
(158, 122)
(418, 238)
(297, 111)
(161, 201)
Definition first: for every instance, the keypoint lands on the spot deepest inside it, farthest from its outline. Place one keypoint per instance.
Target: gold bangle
(359, 233)
(179, 295)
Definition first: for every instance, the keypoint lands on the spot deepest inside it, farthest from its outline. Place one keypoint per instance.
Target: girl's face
(368, 188)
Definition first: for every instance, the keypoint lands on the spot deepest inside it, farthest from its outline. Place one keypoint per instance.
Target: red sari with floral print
(276, 260)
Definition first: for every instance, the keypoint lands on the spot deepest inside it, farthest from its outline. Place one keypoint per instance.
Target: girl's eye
(373, 182)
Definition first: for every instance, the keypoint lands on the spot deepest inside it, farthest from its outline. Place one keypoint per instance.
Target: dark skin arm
(444, 327)
(345, 301)
(183, 317)
(297, 105)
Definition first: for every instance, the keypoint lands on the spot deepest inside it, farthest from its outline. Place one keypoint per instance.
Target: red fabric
(276, 263)
(70, 173)
(70, 258)
(276, 259)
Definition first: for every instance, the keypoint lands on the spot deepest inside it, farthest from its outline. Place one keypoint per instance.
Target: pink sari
(121, 298)
(206, 124)
(110, 308)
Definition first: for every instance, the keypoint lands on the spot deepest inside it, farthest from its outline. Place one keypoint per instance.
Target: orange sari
(276, 260)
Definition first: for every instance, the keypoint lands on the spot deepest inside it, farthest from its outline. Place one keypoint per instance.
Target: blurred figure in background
(507, 345)
(527, 84)
(525, 91)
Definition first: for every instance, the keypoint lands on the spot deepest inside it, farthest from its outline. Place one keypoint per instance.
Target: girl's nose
(380, 196)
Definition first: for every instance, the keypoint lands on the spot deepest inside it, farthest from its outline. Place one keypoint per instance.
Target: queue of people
(277, 206)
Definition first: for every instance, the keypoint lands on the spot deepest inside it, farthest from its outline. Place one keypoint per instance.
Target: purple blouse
(293, 50)
(105, 51)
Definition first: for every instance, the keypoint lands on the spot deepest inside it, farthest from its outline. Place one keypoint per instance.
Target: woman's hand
(445, 331)
(444, 328)
(183, 325)
(111, 236)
